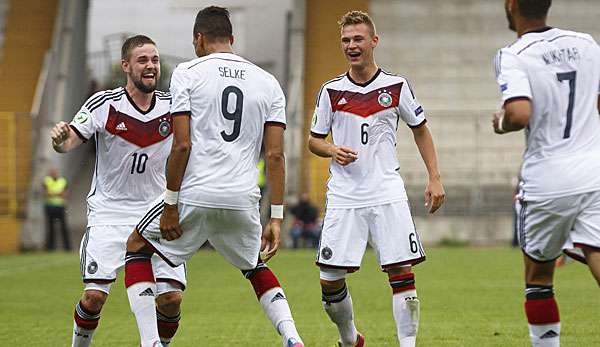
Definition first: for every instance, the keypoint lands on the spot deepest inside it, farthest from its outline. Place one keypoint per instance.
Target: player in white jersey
(222, 105)
(550, 79)
(132, 128)
(366, 200)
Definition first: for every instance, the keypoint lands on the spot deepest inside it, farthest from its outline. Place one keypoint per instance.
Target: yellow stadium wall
(323, 60)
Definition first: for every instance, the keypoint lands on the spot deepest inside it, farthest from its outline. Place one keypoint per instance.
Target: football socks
(405, 305)
(542, 314)
(338, 306)
(84, 326)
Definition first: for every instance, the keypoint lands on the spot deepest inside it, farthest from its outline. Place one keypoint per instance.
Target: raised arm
(64, 138)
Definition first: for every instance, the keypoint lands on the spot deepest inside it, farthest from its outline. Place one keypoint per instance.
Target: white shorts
(388, 228)
(102, 256)
(235, 234)
(546, 227)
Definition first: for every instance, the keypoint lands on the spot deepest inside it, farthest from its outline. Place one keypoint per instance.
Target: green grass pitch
(469, 297)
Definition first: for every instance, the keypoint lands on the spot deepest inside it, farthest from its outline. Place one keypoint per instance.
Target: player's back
(563, 135)
(230, 100)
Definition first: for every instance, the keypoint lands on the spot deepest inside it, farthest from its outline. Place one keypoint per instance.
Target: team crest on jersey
(164, 128)
(326, 253)
(81, 117)
(384, 99)
(92, 267)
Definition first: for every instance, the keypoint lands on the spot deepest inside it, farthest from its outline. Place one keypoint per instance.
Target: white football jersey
(559, 71)
(365, 118)
(230, 100)
(132, 148)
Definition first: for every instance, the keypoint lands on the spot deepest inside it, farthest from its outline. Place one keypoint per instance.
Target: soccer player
(222, 106)
(366, 200)
(132, 126)
(549, 80)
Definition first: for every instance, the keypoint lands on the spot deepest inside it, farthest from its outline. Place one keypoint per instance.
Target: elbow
(275, 157)
(183, 147)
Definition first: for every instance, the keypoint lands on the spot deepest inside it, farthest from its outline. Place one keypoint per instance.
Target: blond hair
(357, 17)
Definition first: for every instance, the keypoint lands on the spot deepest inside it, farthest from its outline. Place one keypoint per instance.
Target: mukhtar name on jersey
(225, 71)
(563, 55)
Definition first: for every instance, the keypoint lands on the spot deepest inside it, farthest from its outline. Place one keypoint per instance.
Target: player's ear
(125, 65)
(231, 40)
(375, 41)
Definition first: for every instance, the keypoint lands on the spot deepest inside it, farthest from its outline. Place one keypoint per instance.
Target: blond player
(366, 200)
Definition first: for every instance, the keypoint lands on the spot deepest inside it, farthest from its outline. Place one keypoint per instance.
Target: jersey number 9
(236, 115)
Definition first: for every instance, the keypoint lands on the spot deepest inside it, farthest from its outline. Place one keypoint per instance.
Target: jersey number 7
(569, 76)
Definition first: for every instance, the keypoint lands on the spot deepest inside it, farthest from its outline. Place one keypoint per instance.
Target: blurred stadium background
(54, 53)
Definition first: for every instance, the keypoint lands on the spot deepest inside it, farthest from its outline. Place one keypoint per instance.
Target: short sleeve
(409, 107)
(277, 111)
(321, 119)
(86, 122)
(511, 76)
(180, 91)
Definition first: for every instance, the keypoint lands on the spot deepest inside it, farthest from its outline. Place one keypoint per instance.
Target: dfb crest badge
(92, 267)
(326, 253)
(384, 99)
(164, 129)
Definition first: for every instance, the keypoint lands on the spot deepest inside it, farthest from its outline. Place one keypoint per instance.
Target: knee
(332, 286)
(93, 300)
(398, 270)
(169, 303)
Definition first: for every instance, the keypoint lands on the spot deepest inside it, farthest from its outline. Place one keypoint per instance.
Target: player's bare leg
(337, 302)
(168, 314)
(273, 301)
(405, 304)
(87, 316)
(540, 306)
(592, 257)
(141, 289)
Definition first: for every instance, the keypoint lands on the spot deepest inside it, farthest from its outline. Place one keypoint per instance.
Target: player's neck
(142, 100)
(219, 48)
(363, 74)
(527, 25)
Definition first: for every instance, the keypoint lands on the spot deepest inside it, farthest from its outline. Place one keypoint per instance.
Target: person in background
(55, 193)
(305, 228)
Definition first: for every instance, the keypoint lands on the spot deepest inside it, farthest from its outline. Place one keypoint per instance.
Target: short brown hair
(214, 23)
(357, 17)
(132, 42)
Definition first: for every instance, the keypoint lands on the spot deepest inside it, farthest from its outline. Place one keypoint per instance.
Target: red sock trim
(542, 311)
(263, 280)
(84, 323)
(167, 329)
(138, 271)
(402, 283)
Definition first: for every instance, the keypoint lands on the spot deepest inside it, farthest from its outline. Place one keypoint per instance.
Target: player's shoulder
(163, 95)
(102, 97)
(392, 76)
(334, 81)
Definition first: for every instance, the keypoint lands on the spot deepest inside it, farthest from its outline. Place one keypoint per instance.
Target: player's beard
(511, 21)
(139, 84)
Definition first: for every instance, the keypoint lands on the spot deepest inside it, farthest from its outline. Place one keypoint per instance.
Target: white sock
(141, 300)
(276, 307)
(339, 308)
(545, 335)
(406, 313)
(81, 337)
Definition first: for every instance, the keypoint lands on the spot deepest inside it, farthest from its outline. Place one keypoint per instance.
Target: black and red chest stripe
(137, 132)
(365, 105)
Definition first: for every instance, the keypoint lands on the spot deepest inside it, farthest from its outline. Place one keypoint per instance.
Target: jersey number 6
(236, 115)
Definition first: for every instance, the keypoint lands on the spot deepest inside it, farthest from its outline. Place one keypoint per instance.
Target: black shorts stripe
(149, 217)
(82, 262)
